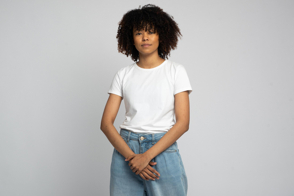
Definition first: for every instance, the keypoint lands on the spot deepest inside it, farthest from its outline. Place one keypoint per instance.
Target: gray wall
(58, 58)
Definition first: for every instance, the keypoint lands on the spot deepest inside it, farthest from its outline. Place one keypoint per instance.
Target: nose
(145, 36)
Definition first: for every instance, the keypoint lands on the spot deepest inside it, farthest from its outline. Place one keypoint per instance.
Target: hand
(148, 172)
(138, 162)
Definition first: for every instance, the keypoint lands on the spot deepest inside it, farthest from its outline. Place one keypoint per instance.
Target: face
(146, 42)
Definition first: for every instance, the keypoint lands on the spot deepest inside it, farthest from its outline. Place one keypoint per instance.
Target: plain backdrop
(57, 61)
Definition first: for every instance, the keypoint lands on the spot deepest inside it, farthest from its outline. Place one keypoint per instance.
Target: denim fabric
(172, 180)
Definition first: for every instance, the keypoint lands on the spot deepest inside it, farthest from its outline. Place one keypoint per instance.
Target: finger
(143, 177)
(138, 171)
(134, 170)
(152, 163)
(147, 176)
(150, 174)
(153, 174)
(153, 170)
(130, 157)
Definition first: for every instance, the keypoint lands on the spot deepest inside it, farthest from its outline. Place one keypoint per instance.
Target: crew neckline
(150, 69)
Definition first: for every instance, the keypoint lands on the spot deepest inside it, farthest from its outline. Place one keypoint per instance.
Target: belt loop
(153, 138)
(129, 136)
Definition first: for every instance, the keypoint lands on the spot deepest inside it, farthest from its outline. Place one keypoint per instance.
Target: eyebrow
(153, 29)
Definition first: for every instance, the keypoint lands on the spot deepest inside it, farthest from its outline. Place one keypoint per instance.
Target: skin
(148, 56)
(141, 163)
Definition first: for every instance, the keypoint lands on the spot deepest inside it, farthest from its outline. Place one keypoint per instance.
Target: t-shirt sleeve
(116, 85)
(182, 82)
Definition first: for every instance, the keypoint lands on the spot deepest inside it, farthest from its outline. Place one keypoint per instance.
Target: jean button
(142, 138)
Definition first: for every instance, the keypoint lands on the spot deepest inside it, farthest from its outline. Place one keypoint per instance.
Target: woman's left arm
(138, 162)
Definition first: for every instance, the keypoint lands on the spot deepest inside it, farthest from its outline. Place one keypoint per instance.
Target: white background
(58, 58)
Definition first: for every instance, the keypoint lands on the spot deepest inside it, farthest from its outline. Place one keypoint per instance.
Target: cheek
(136, 44)
(155, 39)
(135, 40)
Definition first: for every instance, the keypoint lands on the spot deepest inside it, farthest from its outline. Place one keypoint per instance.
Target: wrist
(148, 155)
(129, 154)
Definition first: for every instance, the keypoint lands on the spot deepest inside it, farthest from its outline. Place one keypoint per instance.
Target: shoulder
(175, 67)
(123, 71)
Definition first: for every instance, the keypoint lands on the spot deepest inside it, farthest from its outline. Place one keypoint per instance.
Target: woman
(146, 159)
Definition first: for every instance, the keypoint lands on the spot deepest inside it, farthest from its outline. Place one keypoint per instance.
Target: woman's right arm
(108, 118)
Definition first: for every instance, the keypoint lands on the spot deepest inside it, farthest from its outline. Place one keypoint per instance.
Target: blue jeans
(172, 180)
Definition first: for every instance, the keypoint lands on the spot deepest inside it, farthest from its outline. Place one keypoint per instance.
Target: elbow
(105, 125)
(101, 127)
(184, 126)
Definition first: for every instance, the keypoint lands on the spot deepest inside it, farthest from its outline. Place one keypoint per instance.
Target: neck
(148, 62)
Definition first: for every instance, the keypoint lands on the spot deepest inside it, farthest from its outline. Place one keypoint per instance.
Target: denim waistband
(129, 135)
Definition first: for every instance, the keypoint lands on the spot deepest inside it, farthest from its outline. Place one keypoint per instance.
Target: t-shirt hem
(185, 89)
(114, 93)
(143, 132)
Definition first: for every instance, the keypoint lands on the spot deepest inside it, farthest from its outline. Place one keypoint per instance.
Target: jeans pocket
(124, 138)
(172, 148)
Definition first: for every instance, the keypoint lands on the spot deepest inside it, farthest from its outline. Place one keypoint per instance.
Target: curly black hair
(152, 17)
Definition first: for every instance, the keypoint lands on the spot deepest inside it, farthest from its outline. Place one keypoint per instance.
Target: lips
(145, 45)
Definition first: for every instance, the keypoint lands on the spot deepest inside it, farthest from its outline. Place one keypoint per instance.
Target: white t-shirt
(148, 95)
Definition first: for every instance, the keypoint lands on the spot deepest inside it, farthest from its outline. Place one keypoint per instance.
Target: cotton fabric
(148, 95)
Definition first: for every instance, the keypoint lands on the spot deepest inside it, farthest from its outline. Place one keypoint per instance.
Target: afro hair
(152, 17)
